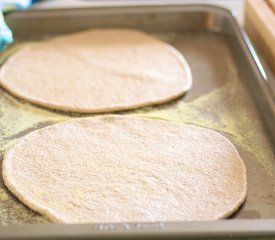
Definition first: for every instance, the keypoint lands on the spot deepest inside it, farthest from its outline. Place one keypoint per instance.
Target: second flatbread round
(125, 169)
(99, 70)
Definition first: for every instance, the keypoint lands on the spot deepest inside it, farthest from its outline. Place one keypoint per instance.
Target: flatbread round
(99, 70)
(125, 169)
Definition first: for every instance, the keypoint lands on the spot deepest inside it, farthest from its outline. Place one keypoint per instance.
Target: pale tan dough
(125, 169)
(99, 70)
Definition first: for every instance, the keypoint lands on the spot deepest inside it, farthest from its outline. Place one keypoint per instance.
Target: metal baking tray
(231, 94)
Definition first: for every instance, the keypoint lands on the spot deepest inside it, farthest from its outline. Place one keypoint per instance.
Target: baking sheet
(219, 100)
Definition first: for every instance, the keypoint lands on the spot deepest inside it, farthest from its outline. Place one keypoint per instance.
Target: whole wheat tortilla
(125, 169)
(99, 70)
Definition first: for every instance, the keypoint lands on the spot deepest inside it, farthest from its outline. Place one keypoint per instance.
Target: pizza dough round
(125, 169)
(99, 70)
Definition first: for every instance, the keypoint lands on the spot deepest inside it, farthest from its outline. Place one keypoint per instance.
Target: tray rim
(222, 229)
(233, 229)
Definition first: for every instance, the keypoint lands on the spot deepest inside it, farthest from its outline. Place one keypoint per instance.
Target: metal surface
(230, 95)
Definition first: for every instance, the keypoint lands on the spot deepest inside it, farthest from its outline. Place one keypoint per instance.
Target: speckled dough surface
(116, 169)
(97, 71)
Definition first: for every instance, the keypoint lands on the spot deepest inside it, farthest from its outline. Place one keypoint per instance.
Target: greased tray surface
(219, 99)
